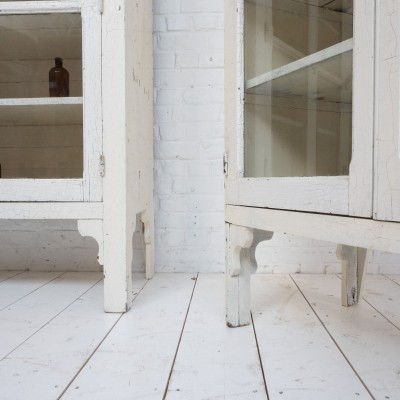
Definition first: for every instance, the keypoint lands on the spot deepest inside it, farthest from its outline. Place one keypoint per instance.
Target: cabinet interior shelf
(41, 111)
(333, 71)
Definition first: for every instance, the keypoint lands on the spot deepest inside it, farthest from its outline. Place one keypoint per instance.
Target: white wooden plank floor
(57, 343)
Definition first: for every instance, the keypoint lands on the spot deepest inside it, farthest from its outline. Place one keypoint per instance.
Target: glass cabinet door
(47, 108)
(306, 86)
(298, 88)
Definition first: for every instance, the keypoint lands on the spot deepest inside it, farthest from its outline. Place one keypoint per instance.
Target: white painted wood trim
(41, 190)
(37, 210)
(128, 137)
(92, 95)
(359, 232)
(93, 228)
(387, 121)
(38, 7)
(304, 62)
(361, 166)
(41, 101)
(328, 194)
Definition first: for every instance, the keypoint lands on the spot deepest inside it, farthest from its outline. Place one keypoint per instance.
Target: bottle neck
(59, 62)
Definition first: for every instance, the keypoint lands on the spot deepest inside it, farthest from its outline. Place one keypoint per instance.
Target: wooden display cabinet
(88, 156)
(311, 129)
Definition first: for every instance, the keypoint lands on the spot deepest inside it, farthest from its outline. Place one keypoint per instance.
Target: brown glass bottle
(59, 80)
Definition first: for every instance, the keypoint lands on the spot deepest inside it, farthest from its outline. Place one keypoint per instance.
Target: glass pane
(41, 121)
(298, 87)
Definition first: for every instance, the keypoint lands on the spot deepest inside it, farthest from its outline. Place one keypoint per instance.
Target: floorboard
(370, 342)
(22, 285)
(57, 342)
(394, 278)
(25, 317)
(384, 295)
(214, 361)
(300, 359)
(135, 359)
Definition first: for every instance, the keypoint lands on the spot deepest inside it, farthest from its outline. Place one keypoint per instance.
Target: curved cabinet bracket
(147, 219)
(240, 249)
(94, 229)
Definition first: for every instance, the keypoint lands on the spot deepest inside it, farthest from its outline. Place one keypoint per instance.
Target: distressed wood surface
(233, 367)
(44, 365)
(51, 211)
(351, 231)
(128, 136)
(22, 285)
(300, 359)
(29, 7)
(361, 332)
(394, 278)
(317, 194)
(17, 324)
(26, 190)
(384, 295)
(361, 166)
(353, 260)
(387, 123)
(135, 359)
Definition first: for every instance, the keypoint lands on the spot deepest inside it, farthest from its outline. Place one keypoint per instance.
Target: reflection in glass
(298, 88)
(40, 136)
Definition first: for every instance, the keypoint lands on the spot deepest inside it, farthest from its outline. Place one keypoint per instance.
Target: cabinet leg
(240, 247)
(353, 270)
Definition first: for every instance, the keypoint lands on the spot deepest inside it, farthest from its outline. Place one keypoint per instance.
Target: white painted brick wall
(188, 134)
(189, 94)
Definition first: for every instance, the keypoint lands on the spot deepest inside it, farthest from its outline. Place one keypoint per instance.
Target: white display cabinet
(312, 129)
(85, 155)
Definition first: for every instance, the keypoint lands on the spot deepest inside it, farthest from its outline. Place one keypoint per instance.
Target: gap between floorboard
(332, 338)
(48, 321)
(99, 344)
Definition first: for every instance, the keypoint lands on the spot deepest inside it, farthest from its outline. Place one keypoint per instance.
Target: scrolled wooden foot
(240, 247)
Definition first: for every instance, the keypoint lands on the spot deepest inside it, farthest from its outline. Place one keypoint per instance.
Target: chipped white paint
(325, 195)
(94, 229)
(240, 247)
(128, 151)
(347, 196)
(353, 271)
(387, 124)
(117, 179)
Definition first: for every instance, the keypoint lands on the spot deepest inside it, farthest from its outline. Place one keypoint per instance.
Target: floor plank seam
(384, 316)
(391, 280)
(98, 346)
(180, 339)
(51, 319)
(387, 319)
(333, 339)
(33, 291)
(259, 357)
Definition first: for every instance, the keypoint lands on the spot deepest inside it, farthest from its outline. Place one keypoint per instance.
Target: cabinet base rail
(246, 227)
